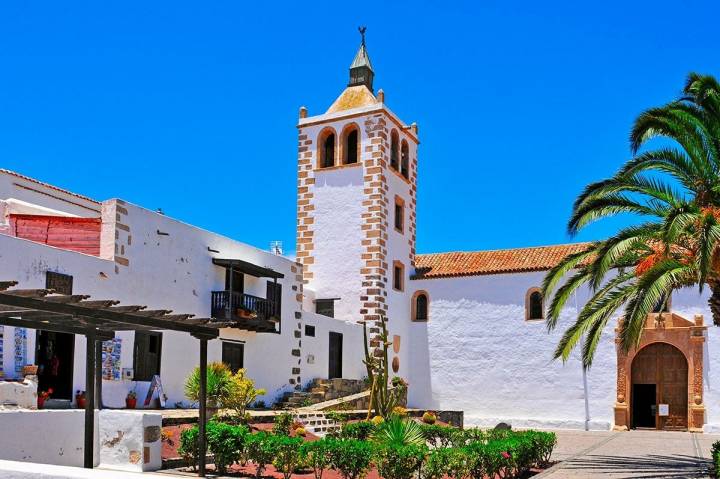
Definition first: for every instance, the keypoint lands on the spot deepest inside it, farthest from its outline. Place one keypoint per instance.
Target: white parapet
(130, 440)
(22, 394)
(46, 436)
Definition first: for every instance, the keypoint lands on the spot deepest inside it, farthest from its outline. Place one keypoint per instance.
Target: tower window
(326, 307)
(351, 145)
(394, 149)
(405, 160)
(534, 305)
(420, 306)
(399, 214)
(326, 143)
(398, 276)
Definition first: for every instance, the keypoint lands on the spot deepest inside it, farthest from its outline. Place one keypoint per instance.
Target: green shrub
(361, 430)
(399, 462)
(438, 436)
(317, 454)
(398, 431)
(457, 463)
(716, 457)
(350, 457)
(287, 454)
(436, 464)
(282, 424)
(543, 445)
(189, 446)
(226, 442)
(262, 449)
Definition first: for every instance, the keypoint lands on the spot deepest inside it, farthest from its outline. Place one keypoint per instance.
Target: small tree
(242, 393)
(219, 384)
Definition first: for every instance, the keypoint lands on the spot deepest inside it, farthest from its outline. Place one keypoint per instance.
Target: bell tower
(357, 173)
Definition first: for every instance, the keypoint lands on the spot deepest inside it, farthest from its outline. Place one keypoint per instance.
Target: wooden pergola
(98, 320)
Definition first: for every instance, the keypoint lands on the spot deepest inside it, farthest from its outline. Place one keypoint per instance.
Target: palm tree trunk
(714, 301)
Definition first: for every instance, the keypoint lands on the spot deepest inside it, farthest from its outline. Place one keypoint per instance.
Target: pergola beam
(35, 301)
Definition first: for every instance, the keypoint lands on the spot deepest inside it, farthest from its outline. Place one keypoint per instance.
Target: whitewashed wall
(477, 353)
(172, 271)
(338, 251)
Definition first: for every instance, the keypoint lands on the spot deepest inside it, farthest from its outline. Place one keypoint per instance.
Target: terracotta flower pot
(30, 370)
(41, 402)
(130, 403)
(81, 401)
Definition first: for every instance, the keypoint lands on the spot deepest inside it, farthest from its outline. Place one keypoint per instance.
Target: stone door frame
(677, 331)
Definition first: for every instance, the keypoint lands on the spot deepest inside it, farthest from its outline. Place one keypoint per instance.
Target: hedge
(448, 452)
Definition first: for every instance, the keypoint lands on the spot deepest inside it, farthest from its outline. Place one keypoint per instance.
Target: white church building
(467, 328)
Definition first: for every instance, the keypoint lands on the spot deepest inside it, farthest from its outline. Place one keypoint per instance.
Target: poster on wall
(20, 349)
(111, 359)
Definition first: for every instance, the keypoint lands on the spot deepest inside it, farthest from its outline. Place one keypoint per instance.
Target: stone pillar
(697, 407)
(622, 410)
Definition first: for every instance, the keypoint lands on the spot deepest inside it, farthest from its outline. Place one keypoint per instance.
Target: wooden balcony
(249, 312)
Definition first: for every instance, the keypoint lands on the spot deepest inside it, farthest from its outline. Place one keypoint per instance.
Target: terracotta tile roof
(475, 263)
(47, 185)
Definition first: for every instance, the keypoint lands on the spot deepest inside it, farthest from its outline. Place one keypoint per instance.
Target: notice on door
(663, 409)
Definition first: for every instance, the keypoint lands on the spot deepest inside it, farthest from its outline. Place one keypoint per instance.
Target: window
(326, 307)
(61, 283)
(534, 305)
(274, 295)
(398, 276)
(326, 146)
(405, 160)
(419, 306)
(233, 354)
(399, 214)
(309, 330)
(351, 146)
(394, 147)
(146, 355)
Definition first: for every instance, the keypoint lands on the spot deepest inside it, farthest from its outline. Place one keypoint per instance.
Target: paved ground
(648, 454)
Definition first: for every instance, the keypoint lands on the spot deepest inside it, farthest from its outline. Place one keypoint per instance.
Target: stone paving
(647, 454)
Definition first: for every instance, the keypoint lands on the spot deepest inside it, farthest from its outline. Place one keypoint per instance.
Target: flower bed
(398, 448)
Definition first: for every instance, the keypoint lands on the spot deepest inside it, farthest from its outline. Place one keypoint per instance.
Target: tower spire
(361, 71)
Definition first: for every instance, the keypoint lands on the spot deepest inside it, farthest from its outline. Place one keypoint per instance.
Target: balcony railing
(235, 305)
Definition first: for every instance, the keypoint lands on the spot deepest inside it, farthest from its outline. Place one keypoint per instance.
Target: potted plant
(43, 396)
(80, 399)
(30, 370)
(131, 399)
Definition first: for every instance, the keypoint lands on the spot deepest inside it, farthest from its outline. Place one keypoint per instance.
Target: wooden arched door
(659, 370)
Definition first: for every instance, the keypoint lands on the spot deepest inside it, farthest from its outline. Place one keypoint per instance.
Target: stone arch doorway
(669, 359)
(659, 375)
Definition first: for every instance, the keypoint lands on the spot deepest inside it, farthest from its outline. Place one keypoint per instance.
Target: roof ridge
(48, 185)
(559, 245)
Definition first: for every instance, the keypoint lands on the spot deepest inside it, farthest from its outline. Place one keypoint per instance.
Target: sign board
(663, 409)
(155, 387)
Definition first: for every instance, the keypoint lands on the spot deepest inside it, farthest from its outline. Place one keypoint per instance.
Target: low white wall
(44, 436)
(130, 441)
(22, 394)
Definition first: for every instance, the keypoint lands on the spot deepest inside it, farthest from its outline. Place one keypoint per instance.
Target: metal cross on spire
(362, 31)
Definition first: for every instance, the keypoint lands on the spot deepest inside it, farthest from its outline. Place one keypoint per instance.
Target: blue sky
(192, 106)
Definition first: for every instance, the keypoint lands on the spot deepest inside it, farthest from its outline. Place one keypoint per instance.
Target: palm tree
(674, 190)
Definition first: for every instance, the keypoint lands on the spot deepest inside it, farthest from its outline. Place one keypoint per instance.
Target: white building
(467, 328)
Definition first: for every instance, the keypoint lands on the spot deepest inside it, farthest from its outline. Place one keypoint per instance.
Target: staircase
(316, 423)
(321, 390)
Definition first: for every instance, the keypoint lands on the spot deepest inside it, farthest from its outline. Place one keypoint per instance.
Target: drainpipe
(584, 376)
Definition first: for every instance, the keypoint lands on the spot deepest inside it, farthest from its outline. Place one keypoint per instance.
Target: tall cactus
(383, 398)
